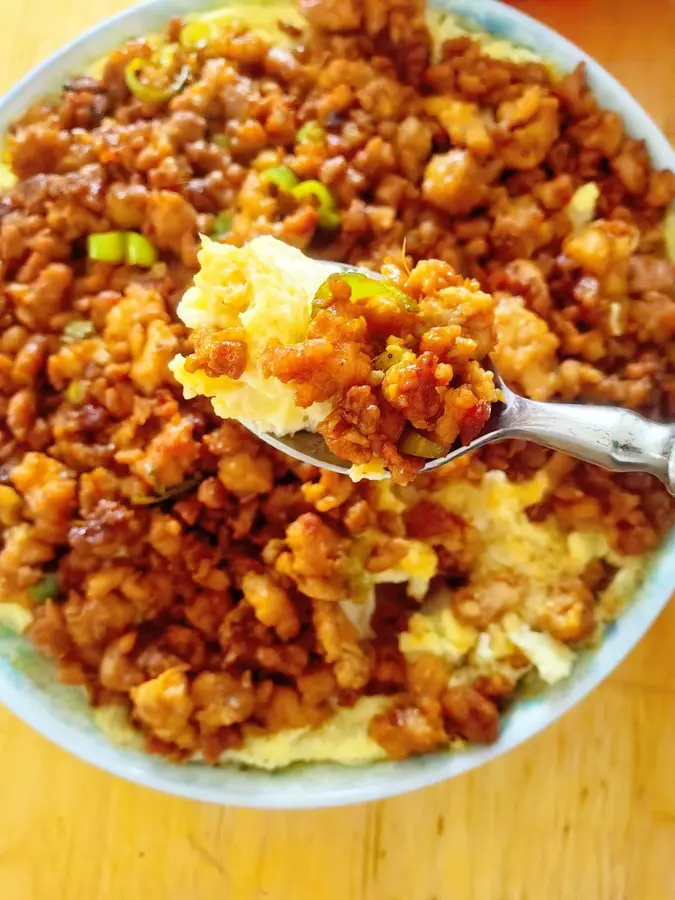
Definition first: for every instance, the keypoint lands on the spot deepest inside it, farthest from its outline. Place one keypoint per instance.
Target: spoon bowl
(608, 436)
(309, 447)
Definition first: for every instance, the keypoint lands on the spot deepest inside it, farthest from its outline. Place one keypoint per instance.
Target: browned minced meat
(218, 352)
(197, 572)
(396, 373)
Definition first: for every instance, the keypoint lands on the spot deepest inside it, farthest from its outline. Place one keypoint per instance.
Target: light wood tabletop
(585, 811)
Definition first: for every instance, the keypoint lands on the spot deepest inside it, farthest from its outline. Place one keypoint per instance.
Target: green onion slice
(150, 93)
(282, 177)
(415, 444)
(121, 246)
(45, 589)
(139, 250)
(329, 217)
(107, 246)
(168, 494)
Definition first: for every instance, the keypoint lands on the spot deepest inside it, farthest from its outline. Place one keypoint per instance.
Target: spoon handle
(607, 436)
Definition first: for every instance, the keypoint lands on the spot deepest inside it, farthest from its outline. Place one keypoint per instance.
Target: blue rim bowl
(27, 685)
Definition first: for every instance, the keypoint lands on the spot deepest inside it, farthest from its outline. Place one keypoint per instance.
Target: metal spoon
(607, 436)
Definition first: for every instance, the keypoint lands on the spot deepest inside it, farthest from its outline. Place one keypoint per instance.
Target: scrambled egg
(261, 16)
(447, 26)
(415, 569)
(372, 471)
(552, 659)
(267, 289)
(440, 633)
(542, 553)
(343, 739)
(581, 209)
(541, 550)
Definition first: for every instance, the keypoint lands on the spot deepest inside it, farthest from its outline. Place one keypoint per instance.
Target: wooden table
(585, 811)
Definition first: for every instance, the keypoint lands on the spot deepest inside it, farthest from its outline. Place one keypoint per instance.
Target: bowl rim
(315, 785)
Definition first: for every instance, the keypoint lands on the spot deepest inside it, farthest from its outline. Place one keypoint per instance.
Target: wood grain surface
(585, 811)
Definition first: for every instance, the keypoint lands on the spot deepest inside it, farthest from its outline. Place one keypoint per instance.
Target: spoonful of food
(607, 436)
(298, 335)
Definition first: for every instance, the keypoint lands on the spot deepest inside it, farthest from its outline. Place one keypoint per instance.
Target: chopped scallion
(45, 589)
(363, 286)
(329, 217)
(282, 177)
(168, 494)
(139, 251)
(107, 246)
(151, 93)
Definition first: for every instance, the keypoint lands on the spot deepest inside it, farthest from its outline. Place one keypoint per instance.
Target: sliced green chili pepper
(108, 246)
(77, 330)
(222, 224)
(286, 180)
(391, 356)
(43, 590)
(139, 250)
(150, 93)
(310, 133)
(363, 286)
(168, 494)
(329, 217)
(282, 177)
(415, 444)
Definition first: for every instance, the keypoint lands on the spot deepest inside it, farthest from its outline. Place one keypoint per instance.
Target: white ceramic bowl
(27, 685)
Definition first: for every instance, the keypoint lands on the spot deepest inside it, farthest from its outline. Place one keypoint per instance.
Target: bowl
(61, 714)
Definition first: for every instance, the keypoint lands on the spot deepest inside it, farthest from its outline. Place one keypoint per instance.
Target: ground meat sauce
(191, 572)
(402, 360)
